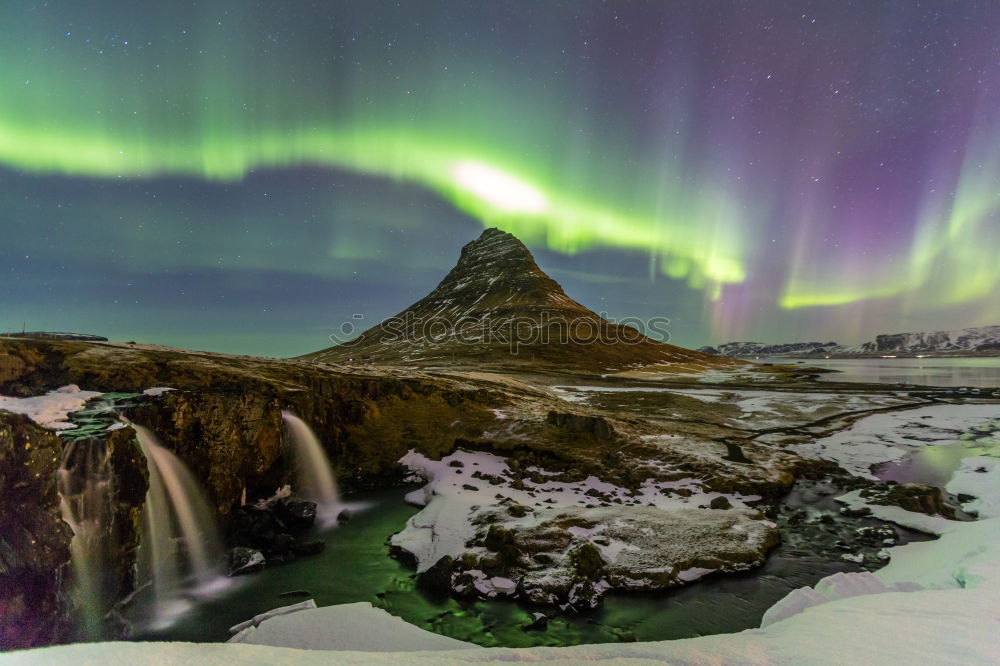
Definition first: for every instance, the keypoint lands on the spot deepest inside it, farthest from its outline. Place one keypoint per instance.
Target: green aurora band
(948, 261)
(566, 223)
(187, 95)
(134, 90)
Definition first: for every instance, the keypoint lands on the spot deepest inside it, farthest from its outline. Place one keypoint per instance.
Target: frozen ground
(357, 626)
(452, 494)
(52, 408)
(658, 536)
(750, 409)
(885, 437)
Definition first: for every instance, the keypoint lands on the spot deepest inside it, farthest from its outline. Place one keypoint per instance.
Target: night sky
(244, 175)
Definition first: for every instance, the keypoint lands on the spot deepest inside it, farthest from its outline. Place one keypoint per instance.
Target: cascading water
(181, 548)
(315, 477)
(84, 484)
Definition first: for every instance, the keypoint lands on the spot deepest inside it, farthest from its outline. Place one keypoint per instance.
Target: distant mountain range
(497, 307)
(982, 341)
(56, 335)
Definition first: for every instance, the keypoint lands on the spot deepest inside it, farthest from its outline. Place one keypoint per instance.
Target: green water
(356, 567)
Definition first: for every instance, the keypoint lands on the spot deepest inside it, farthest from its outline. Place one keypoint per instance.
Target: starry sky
(244, 175)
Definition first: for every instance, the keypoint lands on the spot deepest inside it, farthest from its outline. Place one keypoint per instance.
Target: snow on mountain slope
(984, 339)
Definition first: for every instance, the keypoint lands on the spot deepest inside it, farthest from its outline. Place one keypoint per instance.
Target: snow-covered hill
(984, 338)
(981, 340)
(755, 349)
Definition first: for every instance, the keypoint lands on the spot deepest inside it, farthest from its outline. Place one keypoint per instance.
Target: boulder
(597, 426)
(915, 497)
(244, 560)
(437, 579)
(720, 502)
(587, 562)
(297, 514)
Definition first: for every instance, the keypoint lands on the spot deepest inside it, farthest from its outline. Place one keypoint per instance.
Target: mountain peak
(497, 306)
(496, 241)
(495, 275)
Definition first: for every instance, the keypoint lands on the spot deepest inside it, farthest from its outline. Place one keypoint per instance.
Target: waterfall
(181, 548)
(84, 484)
(315, 477)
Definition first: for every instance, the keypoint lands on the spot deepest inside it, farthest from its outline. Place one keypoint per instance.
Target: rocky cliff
(224, 419)
(34, 540)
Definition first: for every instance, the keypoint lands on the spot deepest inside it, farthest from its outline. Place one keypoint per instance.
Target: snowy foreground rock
(487, 533)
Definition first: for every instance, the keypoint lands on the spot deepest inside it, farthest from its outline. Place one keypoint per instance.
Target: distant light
(498, 188)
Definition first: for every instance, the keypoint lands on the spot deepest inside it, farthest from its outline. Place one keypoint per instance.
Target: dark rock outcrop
(597, 426)
(914, 497)
(34, 540)
(231, 442)
(273, 530)
(436, 580)
(129, 483)
(243, 560)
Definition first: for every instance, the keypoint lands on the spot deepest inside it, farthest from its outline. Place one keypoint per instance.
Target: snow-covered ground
(660, 535)
(357, 626)
(889, 436)
(452, 495)
(754, 409)
(52, 408)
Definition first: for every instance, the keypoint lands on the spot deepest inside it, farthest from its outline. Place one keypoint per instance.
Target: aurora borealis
(242, 176)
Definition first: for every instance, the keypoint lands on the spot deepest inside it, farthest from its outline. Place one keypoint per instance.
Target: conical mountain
(498, 308)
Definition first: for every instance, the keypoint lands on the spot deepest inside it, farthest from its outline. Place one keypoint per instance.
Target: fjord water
(952, 372)
(313, 470)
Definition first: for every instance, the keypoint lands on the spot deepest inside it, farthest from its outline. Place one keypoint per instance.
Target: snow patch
(51, 409)
(358, 626)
